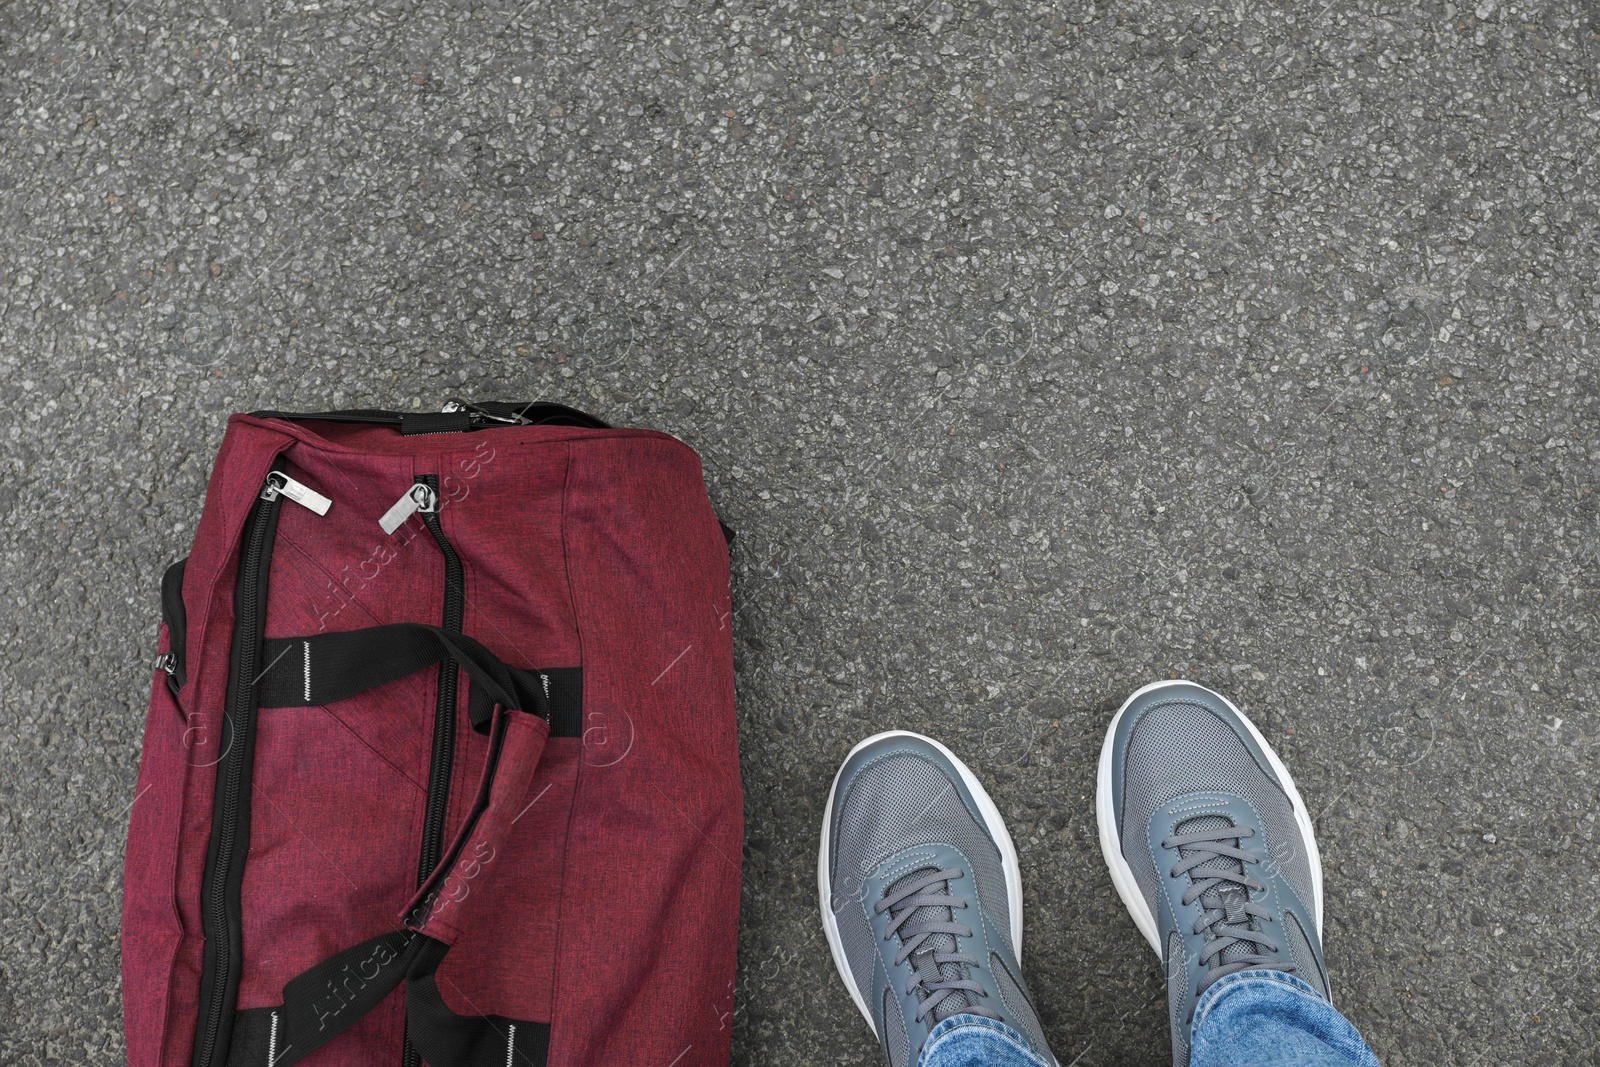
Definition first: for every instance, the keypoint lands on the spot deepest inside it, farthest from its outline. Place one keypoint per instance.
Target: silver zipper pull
(167, 661)
(419, 497)
(280, 484)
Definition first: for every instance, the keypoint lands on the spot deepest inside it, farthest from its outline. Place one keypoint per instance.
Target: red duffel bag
(440, 763)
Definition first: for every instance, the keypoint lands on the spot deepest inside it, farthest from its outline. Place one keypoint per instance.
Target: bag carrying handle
(328, 998)
(323, 668)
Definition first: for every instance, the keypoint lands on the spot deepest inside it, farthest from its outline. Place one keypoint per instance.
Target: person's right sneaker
(922, 898)
(1209, 845)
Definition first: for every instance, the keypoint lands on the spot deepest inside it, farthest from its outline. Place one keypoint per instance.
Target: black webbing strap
(323, 1002)
(333, 996)
(566, 698)
(446, 1039)
(323, 668)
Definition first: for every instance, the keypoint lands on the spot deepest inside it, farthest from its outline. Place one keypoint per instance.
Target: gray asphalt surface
(1035, 351)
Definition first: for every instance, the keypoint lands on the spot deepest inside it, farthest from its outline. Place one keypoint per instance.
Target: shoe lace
(922, 909)
(1218, 877)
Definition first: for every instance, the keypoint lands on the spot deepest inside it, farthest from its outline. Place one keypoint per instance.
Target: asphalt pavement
(1036, 351)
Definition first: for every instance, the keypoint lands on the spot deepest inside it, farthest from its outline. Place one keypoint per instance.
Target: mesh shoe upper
(1183, 745)
(1209, 833)
(897, 801)
(920, 948)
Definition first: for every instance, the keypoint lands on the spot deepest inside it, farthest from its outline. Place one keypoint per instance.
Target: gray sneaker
(921, 895)
(1209, 845)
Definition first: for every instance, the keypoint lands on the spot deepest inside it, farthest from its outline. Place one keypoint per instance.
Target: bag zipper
(219, 905)
(444, 717)
(444, 713)
(474, 416)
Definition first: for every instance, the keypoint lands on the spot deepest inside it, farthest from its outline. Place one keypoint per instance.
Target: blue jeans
(1248, 1019)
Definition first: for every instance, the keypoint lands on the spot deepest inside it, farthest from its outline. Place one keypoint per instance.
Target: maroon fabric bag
(440, 763)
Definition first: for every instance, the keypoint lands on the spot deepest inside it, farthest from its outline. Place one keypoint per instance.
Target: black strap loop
(323, 668)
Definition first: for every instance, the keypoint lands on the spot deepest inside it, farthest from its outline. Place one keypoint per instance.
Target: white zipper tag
(417, 498)
(279, 483)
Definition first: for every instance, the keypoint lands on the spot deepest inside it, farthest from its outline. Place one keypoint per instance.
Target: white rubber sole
(992, 822)
(1110, 835)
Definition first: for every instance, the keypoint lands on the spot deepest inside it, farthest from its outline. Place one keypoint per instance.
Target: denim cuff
(959, 1024)
(1209, 998)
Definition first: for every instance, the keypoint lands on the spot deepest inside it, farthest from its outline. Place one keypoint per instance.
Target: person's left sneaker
(922, 896)
(1209, 845)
